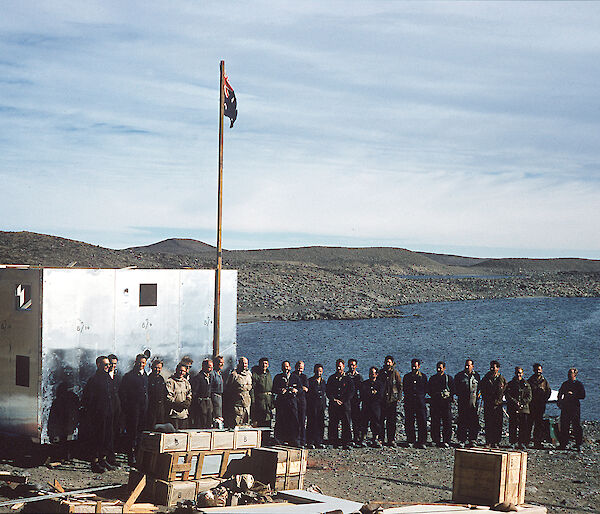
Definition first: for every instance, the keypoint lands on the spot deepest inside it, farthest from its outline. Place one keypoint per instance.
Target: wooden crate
(273, 465)
(487, 477)
(222, 440)
(220, 463)
(198, 464)
(146, 460)
(287, 482)
(247, 437)
(172, 466)
(169, 493)
(147, 493)
(159, 442)
(198, 439)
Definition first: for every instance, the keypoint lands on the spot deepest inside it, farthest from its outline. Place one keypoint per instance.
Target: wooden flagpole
(217, 316)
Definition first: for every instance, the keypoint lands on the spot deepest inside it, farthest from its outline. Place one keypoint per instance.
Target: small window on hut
(147, 295)
(22, 371)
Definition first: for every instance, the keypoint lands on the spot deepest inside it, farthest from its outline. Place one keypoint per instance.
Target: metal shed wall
(78, 314)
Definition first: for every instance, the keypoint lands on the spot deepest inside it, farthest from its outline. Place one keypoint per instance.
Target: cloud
(431, 125)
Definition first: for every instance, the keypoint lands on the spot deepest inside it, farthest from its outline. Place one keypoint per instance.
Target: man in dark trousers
(415, 409)
(134, 402)
(540, 392)
(355, 415)
(569, 396)
(518, 397)
(492, 389)
(98, 408)
(216, 389)
(466, 383)
(285, 388)
(118, 418)
(340, 390)
(441, 391)
(202, 407)
(371, 393)
(157, 396)
(301, 398)
(392, 393)
(261, 409)
(316, 402)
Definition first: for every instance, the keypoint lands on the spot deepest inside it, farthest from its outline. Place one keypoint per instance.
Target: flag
(230, 103)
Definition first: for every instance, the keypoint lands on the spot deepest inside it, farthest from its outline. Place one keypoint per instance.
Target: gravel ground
(563, 481)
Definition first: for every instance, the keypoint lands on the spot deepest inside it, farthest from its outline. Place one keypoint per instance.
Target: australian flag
(230, 103)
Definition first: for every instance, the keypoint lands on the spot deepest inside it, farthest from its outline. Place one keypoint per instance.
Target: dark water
(558, 332)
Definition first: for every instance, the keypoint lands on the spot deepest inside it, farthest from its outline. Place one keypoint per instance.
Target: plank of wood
(56, 485)
(7, 476)
(135, 494)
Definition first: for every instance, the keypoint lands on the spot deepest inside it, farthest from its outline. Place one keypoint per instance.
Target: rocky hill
(327, 282)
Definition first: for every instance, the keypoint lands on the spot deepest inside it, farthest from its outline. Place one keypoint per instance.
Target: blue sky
(470, 128)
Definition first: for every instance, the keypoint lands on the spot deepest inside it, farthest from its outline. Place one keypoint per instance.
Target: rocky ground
(327, 282)
(343, 283)
(563, 481)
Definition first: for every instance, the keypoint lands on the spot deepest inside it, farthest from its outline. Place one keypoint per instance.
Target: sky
(464, 128)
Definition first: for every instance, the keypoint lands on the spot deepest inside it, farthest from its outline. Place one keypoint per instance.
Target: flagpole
(217, 316)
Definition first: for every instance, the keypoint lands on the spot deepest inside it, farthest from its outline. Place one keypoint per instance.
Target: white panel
(197, 312)
(140, 328)
(77, 326)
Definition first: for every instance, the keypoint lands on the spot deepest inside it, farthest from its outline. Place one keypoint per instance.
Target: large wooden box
(488, 477)
(159, 442)
(169, 493)
(147, 494)
(220, 463)
(247, 438)
(281, 467)
(198, 439)
(198, 464)
(223, 440)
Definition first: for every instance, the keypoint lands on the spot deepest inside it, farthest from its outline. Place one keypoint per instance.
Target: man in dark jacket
(392, 393)
(415, 409)
(261, 410)
(371, 393)
(118, 417)
(518, 397)
(202, 407)
(316, 402)
(492, 388)
(355, 416)
(441, 391)
(134, 402)
(569, 396)
(466, 383)
(540, 392)
(216, 389)
(98, 408)
(301, 398)
(157, 396)
(339, 391)
(286, 387)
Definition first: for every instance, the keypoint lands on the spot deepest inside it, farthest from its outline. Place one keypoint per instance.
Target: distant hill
(453, 260)
(46, 250)
(176, 246)
(516, 265)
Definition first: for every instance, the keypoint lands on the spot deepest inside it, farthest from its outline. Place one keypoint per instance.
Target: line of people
(298, 403)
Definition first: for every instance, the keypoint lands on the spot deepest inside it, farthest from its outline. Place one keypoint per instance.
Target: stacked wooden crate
(281, 467)
(489, 477)
(180, 465)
